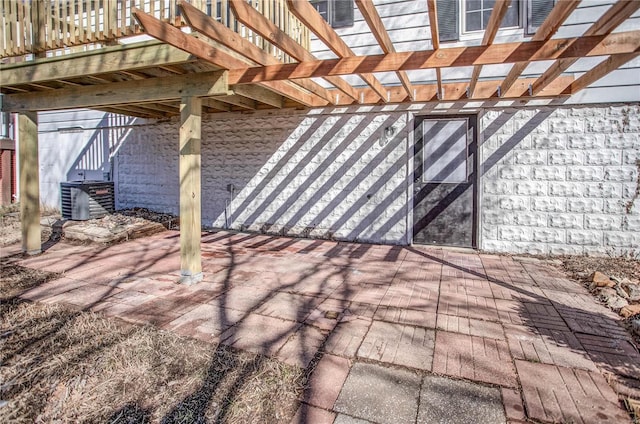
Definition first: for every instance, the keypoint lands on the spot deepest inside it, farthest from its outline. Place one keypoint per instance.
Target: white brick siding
(332, 175)
(316, 175)
(573, 182)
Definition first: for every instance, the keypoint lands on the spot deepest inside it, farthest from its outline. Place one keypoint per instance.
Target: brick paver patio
(395, 334)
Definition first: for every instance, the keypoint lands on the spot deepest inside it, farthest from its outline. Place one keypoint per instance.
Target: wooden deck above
(51, 45)
(48, 27)
(240, 55)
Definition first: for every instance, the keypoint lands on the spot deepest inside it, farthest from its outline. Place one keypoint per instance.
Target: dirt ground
(61, 365)
(580, 267)
(10, 224)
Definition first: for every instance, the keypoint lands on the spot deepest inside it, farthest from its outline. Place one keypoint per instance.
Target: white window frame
(331, 14)
(472, 35)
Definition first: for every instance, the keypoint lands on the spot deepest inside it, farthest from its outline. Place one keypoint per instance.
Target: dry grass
(10, 232)
(62, 365)
(9, 224)
(580, 267)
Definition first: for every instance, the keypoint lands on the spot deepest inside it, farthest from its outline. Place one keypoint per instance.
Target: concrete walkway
(396, 334)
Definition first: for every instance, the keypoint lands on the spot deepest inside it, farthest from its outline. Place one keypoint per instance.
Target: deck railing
(38, 26)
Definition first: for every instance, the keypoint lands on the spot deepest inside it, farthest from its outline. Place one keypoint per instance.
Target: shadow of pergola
(311, 289)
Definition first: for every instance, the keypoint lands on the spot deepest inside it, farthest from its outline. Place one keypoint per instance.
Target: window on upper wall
(476, 13)
(457, 17)
(338, 13)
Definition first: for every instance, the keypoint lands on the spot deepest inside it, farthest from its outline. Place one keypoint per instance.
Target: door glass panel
(445, 151)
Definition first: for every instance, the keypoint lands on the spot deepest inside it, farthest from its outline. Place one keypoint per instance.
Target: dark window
(537, 11)
(448, 18)
(338, 13)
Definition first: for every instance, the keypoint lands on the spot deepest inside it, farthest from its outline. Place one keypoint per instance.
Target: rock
(611, 298)
(630, 310)
(635, 326)
(605, 292)
(331, 315)
(633, 290)
(48, 221)
(598, 279)
(621, 292)
(616, 303)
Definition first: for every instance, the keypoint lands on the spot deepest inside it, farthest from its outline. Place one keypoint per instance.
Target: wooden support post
(6, 179)
(190, 203)
(29, 182)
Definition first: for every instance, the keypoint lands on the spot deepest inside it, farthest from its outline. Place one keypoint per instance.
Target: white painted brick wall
(558, 186)
(317, 175)
(572, 181)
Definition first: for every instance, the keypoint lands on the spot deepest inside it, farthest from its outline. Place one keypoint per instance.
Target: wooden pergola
(207, 67)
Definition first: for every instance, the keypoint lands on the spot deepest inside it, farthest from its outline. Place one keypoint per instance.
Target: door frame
(473, 118)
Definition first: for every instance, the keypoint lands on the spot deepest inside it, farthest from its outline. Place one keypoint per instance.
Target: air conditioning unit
(83, 200)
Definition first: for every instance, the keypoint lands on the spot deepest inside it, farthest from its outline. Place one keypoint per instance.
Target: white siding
(407, 23)
(78, 145)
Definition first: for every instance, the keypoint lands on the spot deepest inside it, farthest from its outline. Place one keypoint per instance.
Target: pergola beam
(613, 17)
(432, 10)
(95, 62)
(564, 48)
(600, 70)
(554, 20)
(259, 94)
(126, 92)
(308, 15)
(497, 15)
(371, 16)
(219, 33)
(173, 36)
(257, 22)
(457, 92)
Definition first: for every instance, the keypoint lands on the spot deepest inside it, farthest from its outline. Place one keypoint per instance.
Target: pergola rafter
(435, 37)
(602, 69)
(370, 14)
(268, 30)
(610, 20)
(554, 20)
(497, 14)
(309, 16)
(257, 80)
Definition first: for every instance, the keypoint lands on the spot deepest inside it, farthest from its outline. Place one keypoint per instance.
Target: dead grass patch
(580, 267)
(62, 365)
(10, 232)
